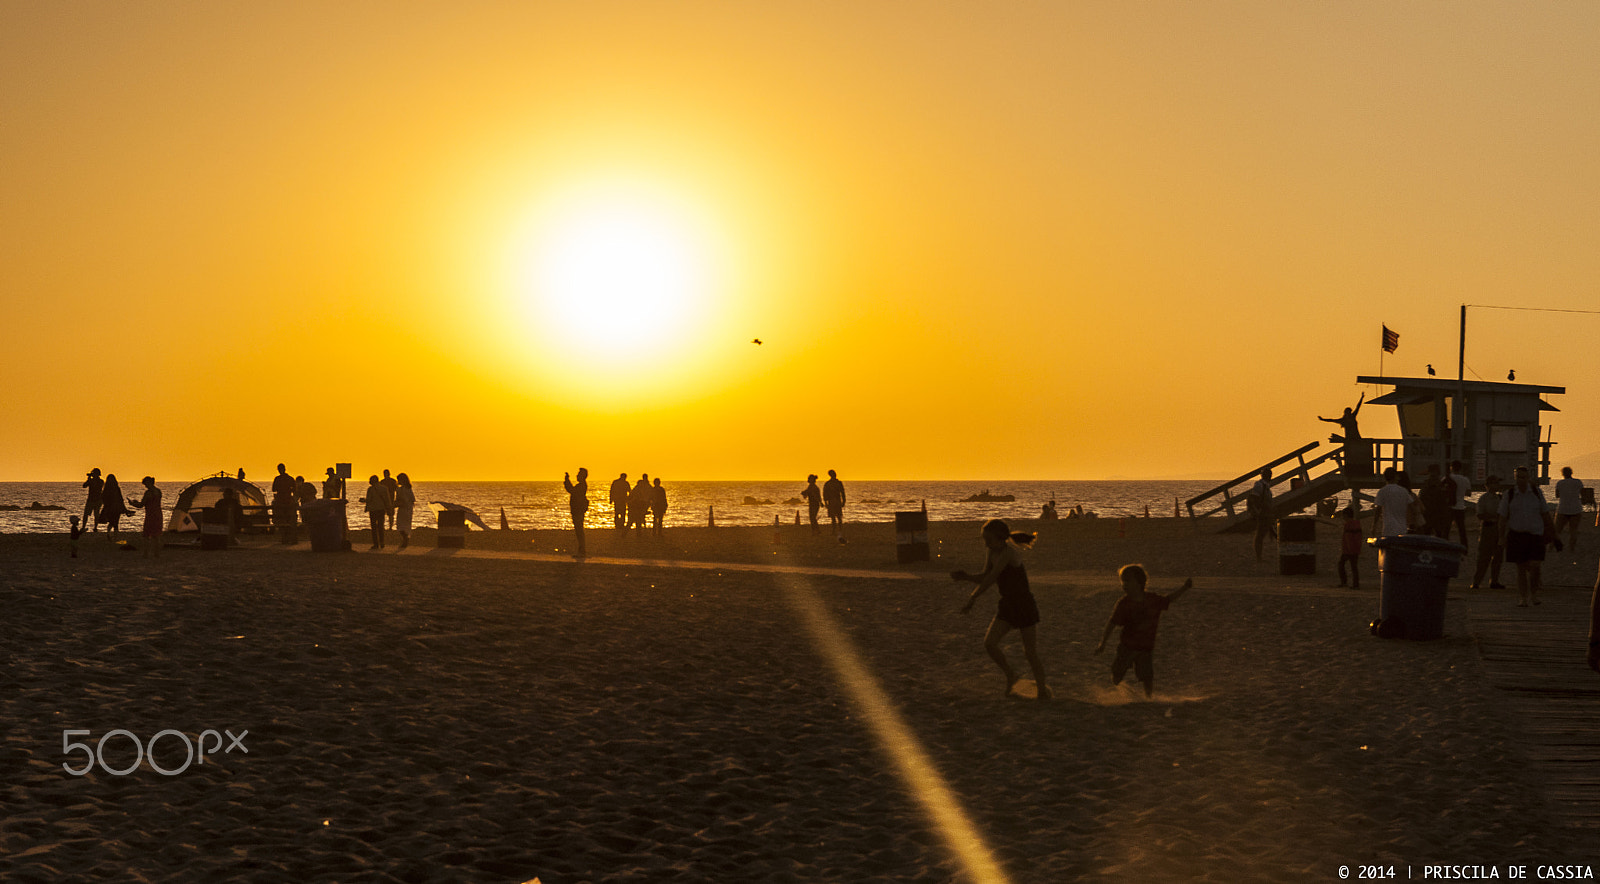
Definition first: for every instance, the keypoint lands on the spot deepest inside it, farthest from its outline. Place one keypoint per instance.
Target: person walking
(1569, 509)
(1523, 523)
(577, 504)
(1491, 555)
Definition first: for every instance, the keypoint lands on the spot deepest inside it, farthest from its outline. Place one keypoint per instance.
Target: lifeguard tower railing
(1296, 482)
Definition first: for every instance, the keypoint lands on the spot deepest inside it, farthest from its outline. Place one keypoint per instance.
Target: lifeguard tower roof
(1490, 426)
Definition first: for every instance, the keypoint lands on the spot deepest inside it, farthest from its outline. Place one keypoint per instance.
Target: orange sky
(1026, 240)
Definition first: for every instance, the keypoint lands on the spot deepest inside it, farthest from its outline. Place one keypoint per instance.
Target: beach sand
(504, 713)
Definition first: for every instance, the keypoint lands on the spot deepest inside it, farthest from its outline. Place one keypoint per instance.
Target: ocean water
(544, 504)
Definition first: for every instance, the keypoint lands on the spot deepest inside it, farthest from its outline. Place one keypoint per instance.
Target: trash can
(215, 532)
(1297, 545)
(1414, 572)
(452, 529)
(911, 536)
(324, 521)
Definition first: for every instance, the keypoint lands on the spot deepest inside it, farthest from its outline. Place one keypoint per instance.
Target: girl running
(1018, 610)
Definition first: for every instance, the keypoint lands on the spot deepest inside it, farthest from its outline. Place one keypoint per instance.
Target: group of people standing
(389, 501)
(830, 495)
(106, 505)
(632, 505)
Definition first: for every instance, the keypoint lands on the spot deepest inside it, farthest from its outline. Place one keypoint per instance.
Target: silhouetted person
(1460, 487)
(227, 511)
(151, 504)
(658, 507)
(620, 489)
(1569, 508)
(304, 491)
(1138, 613)
(377, 501)
(405, 503)
(833, 499)
(333, 486)
(241, 474)
(1357, 451)
(578, 504)
(74, 531)
(91, 506)
(813, 498)
(1435, 497)
(284, 495)
(393, 486)
(639, 502)
(1049, 511)
(1350, 546)
(112, 506)
(1523, 519)
(1391, 516)
(1018, 609)
(1490, 553)
(1258, 502)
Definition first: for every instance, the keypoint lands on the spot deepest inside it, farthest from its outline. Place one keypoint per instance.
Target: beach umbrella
(440, 506)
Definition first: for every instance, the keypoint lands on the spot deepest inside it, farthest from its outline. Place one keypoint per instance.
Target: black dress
(1017, 606)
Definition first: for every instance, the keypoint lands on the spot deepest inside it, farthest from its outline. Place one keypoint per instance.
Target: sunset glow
(547, 226)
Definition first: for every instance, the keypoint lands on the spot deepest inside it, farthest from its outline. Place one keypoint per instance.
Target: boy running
(1138, 613)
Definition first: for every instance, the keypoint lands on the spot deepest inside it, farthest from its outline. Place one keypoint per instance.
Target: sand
(811, 712)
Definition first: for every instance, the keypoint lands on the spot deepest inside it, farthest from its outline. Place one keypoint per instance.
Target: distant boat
(985, 497)
(751, 501)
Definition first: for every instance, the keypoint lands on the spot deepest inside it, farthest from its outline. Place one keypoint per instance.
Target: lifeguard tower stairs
(1297, 483)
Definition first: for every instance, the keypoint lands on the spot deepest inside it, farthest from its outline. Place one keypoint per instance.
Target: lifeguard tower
(1490, 427)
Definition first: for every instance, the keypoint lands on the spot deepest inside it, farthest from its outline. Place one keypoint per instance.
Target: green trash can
(1414, 570)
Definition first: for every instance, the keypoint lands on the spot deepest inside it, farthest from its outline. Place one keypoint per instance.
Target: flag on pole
(1391, 340)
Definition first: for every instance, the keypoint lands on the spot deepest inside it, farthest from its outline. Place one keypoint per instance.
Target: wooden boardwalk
(1535, 656)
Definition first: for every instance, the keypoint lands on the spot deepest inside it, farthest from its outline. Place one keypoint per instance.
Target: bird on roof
(1511, 375)
(755, 340)
(1430, 369)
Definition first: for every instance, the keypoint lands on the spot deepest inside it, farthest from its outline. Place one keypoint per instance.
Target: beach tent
(206, 493)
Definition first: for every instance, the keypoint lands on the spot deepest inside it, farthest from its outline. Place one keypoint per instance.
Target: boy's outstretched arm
(1188, 584)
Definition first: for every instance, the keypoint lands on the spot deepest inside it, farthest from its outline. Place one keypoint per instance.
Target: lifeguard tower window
(1509, 438)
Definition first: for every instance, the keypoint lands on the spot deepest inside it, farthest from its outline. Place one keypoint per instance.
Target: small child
(73, 533)
(1137, 612)
(1350, 546)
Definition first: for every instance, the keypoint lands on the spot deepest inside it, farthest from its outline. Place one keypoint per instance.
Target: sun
(615, 277)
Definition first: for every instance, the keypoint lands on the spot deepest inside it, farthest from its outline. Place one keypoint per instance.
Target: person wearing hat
(813, 498)
(96, 486)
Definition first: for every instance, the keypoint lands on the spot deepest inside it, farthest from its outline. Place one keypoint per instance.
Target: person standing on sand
(639, 503)
(833, 497)
(112, 506)
(1258, 502)
(333, 486)
(813, 498)
(377, 501)
(74, 531)
(405, 503)
(1393, 505)
(1523, 524)
(1018, 609)
(91, 507)
(1569, 508)
(393, 487)
(1138, 613)
(151, 504)
(284, 490)
(1461, 486)
(1490, 554)
(578, 504)
(658, 507)
(619, 500)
